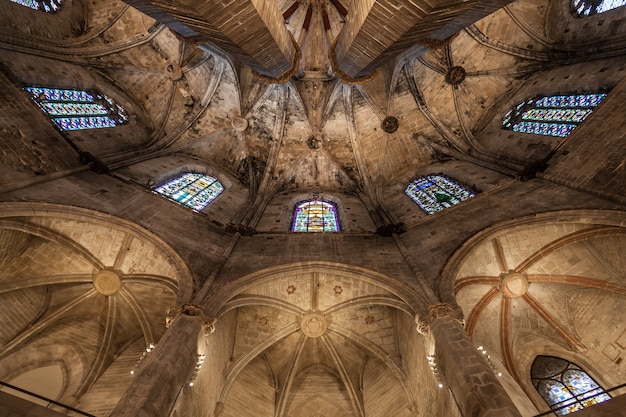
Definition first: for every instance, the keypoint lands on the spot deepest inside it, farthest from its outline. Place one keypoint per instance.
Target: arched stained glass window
(315, 216)
(191, 190)
(551, 115)
(435, 192)
(78, 109)
(564, 385)
(584, 8)
(48, 6)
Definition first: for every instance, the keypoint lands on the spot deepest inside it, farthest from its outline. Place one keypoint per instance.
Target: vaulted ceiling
(330, 341)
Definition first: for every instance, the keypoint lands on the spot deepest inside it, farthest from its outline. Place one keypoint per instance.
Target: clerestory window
(192, 190)
(551, 115)
(315, 216)
(78, 109)
(434, 193)
(48, 6)
(565, 386)
(584, 8)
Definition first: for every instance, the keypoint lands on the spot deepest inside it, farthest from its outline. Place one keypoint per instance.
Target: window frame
(591, 7)
(46, 6)
(334, 208)
(105, 110)
(576, 401)
(429, 177)
(515, 116)
(183, 201)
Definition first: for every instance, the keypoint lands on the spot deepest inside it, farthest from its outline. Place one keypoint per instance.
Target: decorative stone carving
(107, 281)
(423, 327)
(513, 284)
(313, 142)
(174, 71)
(192, 310)
(219, 408)
(442, 310)
(455, 75)
(313, 325)
(390, 124)
(239, 123)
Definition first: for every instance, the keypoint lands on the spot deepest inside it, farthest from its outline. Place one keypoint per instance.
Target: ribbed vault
(82, 296)
(309, 343)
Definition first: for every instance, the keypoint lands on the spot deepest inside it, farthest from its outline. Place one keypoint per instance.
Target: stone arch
(558, 262)
(11, 210)
(608, 218)
(218, 297)
(256, 295)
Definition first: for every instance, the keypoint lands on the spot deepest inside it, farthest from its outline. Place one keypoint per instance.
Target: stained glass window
(315, 216)
(78, 109)
(551, 115)
(191, 190)
(48, 6)
(436, 192)
(584, 8)
(564, 385)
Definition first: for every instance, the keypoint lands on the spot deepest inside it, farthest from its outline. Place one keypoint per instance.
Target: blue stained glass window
(551, 115)
(48, 6)
(435, 192)
(584, 8)
(564, 385)
(192, 190)
(78, 109)
(315, 216)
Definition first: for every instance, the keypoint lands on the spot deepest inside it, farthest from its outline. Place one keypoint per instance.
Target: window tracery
(434, 193)
(315, 216)
(192, 190)
(551, 115)
(78, 109)
(584, 8)
(48, 6)
(564, 385)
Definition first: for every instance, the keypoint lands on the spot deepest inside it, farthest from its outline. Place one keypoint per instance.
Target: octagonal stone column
(168, 367)
(476, 388)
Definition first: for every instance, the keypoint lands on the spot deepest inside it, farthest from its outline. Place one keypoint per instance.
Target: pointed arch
(565, 386)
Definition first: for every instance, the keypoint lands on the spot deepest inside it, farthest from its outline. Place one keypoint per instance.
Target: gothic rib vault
(91, 260)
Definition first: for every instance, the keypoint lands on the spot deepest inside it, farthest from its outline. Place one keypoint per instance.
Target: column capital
(444, 310)
(192, 310)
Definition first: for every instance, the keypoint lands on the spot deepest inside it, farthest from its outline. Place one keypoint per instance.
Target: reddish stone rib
(307, 18)
(505, 339)
(599, 284)
(464, 282)
(565, 241)
(291, 10)
(562, 331)
(472, 319)
(342, 10)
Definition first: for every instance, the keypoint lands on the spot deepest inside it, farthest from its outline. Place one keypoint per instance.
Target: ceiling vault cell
(104, 355)
(46, 322)
(284, 390)
(356, 398)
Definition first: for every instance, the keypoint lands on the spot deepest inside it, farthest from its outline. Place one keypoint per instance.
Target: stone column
(168, 367)
(476, 388)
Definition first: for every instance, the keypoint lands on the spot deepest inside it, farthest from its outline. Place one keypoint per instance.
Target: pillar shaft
(167, 369)
(378, 30)
(477, 390)
(252, 30)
